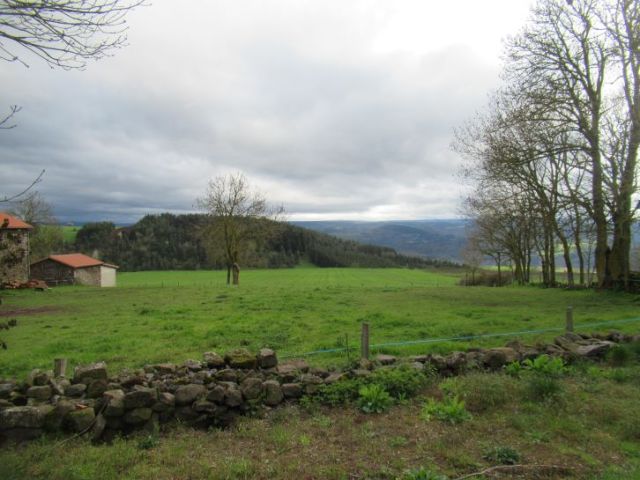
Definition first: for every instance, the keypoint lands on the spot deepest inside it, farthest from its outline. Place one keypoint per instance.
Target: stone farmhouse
(14, 249)
(74, 269)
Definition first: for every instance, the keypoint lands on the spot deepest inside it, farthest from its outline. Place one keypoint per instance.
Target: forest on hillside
(179, 242)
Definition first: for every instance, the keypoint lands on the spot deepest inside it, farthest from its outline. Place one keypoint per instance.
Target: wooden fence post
(59, 367)
(364, 341)
(569, 319)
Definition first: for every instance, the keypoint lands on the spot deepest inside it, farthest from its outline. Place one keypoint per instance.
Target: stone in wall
(214, 391)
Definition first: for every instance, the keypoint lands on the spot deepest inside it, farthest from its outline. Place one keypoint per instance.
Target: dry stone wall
(214, 390)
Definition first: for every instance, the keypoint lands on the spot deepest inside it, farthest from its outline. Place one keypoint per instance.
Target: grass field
(69, 233)
(172, 316)
(590, 426)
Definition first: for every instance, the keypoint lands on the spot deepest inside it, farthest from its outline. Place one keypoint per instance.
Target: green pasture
(69, 233)
(173, 316)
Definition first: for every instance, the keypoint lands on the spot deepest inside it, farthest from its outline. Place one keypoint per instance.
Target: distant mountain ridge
(179, 242)
(438, 239)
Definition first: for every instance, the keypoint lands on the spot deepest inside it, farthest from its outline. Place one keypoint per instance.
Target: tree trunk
(236, 274)
(228, 274)
(600, 220)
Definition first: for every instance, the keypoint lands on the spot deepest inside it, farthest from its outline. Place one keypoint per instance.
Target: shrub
(502, 456)
(374, 399)
(450, 410)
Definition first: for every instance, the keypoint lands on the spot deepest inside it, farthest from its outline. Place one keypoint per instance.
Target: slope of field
(173, 316)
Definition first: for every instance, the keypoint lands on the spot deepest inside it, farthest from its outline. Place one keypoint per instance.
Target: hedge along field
(172, 316)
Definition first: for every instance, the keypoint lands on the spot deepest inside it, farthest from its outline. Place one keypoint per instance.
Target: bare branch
(63, 33)
(18, 195)
(13, 109)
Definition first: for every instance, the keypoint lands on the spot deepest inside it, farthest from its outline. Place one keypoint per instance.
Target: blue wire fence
(582, 326)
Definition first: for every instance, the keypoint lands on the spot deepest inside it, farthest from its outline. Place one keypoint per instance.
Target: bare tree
(566, 130)
(47, 236)
(240, 219)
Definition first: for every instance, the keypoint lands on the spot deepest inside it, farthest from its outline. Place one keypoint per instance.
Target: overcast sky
(336, 109)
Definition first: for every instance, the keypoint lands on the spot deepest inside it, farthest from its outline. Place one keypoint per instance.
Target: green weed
(502, 456)
(421, 474)
(374, 398)
(482, 391)
(450, 410)
(546, 365)
(514, 369)
(542, 387)
(620, 355)
(400, 382)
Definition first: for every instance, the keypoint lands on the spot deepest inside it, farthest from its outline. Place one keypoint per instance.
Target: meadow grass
(173, 316)
(69, 233)
(591, 426)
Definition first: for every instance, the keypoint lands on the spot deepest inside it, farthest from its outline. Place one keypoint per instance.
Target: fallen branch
(519, 469)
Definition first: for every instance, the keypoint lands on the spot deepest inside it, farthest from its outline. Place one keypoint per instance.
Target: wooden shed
(74, 269)
(14, 249)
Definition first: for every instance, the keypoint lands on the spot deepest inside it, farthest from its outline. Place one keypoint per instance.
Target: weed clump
(542, 376)
(374, 399)
(421, 473)
(620, 355)
(502, 455)
(450, 410)
(546, 365)
(482, 391)
(399, 383)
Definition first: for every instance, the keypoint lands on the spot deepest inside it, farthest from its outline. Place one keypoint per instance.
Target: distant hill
(175, 242)
(438, 239)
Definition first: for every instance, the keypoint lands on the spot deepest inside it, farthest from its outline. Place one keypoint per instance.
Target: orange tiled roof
(76, 260)
(13, 222)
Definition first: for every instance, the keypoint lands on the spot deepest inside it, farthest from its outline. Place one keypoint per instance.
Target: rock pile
(212, 391)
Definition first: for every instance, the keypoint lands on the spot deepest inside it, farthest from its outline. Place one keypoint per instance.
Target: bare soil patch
(21, 312)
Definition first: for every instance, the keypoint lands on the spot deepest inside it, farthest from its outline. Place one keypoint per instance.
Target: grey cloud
(322, 129)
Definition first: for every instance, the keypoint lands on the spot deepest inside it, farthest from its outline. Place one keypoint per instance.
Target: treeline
(554, 157)
(179, 242)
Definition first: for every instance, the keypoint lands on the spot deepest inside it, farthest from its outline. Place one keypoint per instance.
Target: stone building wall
(53, 273)
(14, 255)
(88, 276)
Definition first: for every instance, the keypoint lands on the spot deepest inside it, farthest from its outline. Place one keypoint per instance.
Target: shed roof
(13, 223)
(76, 260)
